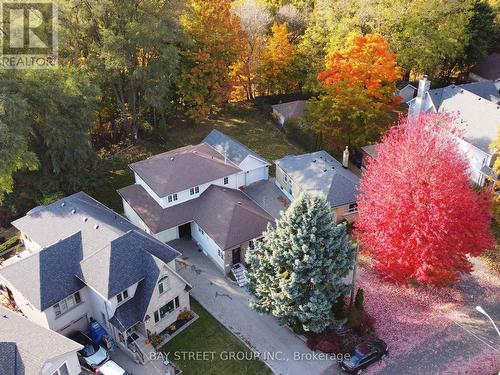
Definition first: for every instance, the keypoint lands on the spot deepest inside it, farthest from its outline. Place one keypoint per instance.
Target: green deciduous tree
(299, 274)
(132, 47)
(15, 154)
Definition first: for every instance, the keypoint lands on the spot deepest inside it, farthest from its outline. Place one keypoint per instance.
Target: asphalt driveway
(284, 352)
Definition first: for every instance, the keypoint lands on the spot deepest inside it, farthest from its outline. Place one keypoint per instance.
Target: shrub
(10, 242)
(359, 299)
(326, 341)
(156, 339)
(185, 315)
(360, 321)
(338, 308)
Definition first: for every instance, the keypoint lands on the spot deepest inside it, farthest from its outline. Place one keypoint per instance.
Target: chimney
(345, 158)
(423, 88)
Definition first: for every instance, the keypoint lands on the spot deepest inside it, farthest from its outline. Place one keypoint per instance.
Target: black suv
(363, 355)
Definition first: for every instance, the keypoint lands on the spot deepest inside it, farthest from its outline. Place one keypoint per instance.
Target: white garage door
(256, 175)
(80, 324)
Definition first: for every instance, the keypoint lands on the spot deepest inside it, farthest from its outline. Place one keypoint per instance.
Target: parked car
(111, 368)
(363, 355)
(92, 355)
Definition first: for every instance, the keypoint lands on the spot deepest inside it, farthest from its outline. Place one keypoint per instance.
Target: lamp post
(481, 310)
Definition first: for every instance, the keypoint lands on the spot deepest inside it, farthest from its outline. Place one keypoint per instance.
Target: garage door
(256, 175)
(80, 324)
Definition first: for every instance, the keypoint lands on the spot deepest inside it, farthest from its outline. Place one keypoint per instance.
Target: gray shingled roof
(52, 273)
(320, 173)
(477, 116)
(123, 263)
(489, 68)
(66, 266)
(291, 109)
(484, 89)
(26, 346)
(166, 173)
(228, 216)
(235, 151)
(75, 213)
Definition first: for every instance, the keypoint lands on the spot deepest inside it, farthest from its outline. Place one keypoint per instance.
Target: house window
(226, 180)
(286, 178)
(67, 304)
(163, 285)
(353, 207)
(194, 190)
(220, 253)
(201, 231)
(172, 198)
(63, 370)
(120, 297)
(166, 309)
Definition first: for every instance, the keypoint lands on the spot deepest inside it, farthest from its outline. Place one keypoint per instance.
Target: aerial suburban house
(319, 173)
(192, 192)
(27, 348)
(487, 70)
(287, 111)
(477, 110)
(86, 262)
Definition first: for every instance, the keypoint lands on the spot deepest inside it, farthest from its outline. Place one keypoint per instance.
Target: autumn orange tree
(357, 94)
(277, 73)
(216, 44)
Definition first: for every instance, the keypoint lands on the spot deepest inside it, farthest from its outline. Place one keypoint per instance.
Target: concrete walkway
(284, 352)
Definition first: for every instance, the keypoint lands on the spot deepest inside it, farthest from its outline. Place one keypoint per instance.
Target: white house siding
(71, 360)
(168, 235)
(407, 93)
(255, 170)
(207, 245)
(102, 309)
(71, 317)
(176, 290)
(132, 216)
(477, 159)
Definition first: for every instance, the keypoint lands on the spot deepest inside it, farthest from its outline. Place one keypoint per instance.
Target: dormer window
(123, 296)
(163, 285)
(194, 190)
(172, 198)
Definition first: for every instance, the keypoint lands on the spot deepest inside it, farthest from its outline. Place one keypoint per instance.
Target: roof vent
(324, 170)
(479, 98)
(85, 219)
(172, 158)
(73, 211)
(194, 151)
(96, 226)
(239, 203)
(314, 161)
(63, 204)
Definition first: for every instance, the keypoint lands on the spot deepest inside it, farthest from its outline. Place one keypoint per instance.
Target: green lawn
(241, 121)
(208, 335)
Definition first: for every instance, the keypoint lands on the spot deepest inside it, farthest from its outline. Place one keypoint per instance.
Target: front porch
(135, 343)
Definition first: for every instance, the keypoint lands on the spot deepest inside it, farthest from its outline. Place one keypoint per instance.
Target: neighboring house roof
(166, 173)
(228, 216)
(477, 116)
(26, 347)
(291, 109)
(402, 84)
(484, 89)
(319, 172)
(52, 273)
(489, 68)
(76, 213)
(235, 151)
(68, 265)
(370, 150)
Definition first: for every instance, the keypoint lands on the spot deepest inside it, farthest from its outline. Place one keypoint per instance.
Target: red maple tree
(418, 214)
